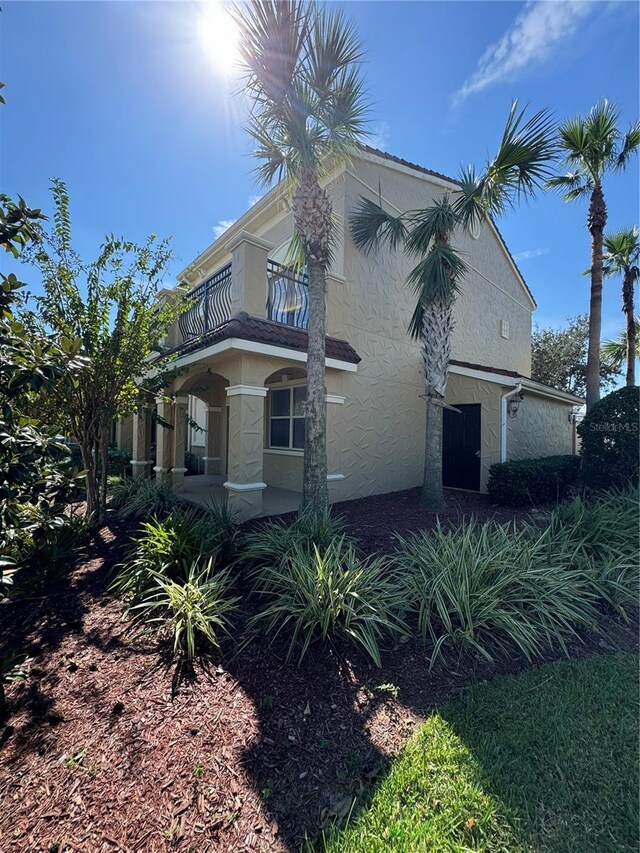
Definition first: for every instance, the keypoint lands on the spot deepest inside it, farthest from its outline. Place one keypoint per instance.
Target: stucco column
(249, 274)
(246, 439)
(335, 475)
(178, 469)
(213, 459)
(141, 461)
(164, 440)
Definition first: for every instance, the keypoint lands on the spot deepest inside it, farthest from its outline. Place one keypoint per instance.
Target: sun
(218, 36)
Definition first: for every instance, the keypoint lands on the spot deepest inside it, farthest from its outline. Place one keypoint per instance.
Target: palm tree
(302, 76)
(616, 353)
(592, 147)
(520, 166)
(621, 256)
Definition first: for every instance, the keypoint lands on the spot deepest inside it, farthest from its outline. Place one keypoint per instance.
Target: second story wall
(493, 309)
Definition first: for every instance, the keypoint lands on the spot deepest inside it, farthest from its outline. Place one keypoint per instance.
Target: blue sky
(120, 100)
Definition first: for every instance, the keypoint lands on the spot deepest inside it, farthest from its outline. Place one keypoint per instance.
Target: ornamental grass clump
(275, 540)
(140, 496)
(170, 546)
(603, 532)
(192, 609)
(493, 590)
(325, 593)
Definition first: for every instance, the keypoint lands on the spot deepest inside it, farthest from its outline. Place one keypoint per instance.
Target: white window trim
(284, 386)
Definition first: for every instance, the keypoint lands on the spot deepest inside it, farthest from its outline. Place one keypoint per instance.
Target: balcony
(288, 299)
(251, 282)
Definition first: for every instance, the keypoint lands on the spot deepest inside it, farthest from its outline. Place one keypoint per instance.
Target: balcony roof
(246, 327)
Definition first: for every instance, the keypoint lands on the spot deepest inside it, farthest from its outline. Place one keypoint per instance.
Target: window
(286, 418)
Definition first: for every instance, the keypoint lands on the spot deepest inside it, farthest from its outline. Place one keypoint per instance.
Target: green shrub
(493, 589)
(171, 545)
(609, 441)
(191, 609)
(137, 496)
(532, 481)
(193, 463)
(274, 540)
(119, 462)
(327, 593)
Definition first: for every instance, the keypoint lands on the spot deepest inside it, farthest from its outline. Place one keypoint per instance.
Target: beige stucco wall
(541, 428)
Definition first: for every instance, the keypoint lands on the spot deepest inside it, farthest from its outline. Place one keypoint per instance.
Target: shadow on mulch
(111, 747)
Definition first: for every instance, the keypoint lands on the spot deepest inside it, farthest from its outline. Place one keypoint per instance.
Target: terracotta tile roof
(393, 159)
(249, 328)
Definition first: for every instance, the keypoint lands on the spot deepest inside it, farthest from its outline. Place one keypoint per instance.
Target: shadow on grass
(545, 760)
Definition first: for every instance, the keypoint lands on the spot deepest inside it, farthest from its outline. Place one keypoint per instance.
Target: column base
(245, 499)
(177, 478)
(140, 467)
(211, 464)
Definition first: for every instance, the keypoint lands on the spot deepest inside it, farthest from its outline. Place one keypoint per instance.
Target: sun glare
(218, 36)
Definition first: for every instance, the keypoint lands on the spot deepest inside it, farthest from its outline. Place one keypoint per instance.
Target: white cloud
(542, 27)
(379, 136)
(222, 226)
(530, 253)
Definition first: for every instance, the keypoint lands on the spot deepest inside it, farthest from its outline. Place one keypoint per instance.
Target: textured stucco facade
(375, 413)
(542, 428)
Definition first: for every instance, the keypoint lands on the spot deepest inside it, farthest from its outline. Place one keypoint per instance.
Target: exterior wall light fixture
(513, 405)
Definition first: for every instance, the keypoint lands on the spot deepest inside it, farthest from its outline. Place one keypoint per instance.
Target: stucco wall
(541, 428)
(282, 470)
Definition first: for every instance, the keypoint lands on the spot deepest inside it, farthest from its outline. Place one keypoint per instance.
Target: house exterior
(241, 350)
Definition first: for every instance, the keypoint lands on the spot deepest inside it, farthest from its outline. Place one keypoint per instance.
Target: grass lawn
(544, 761)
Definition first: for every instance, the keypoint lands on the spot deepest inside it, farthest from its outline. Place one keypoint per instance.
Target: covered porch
(206, 489)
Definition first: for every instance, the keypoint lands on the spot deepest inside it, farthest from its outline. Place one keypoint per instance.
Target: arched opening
(207, 424)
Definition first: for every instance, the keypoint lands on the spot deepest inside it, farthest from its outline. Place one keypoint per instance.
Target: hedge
(609, 434)
(532, 481)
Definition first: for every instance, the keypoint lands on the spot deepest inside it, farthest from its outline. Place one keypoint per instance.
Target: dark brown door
(461, 447)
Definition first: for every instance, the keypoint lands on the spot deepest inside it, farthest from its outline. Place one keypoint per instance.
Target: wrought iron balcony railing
(209, 305)
(288, 300)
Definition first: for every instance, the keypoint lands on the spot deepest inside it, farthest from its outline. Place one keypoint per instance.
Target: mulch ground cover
(108, 747)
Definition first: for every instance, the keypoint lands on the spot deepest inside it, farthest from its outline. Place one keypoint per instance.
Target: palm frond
(522, 163)
(435, 279)
(469, 203)
(621, 251)
(630, 145)
(435, 223)
(371, 225)
(573, 185)
(614, 352)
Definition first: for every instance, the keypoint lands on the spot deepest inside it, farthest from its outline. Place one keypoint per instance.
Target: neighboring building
(242, 347)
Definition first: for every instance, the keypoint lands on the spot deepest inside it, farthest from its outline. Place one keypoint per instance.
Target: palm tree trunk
(315, 494)
(312, 211)
(437, 326)
(596, 222)
(628, 308)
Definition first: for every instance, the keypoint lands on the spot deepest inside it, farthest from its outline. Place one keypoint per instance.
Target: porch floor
(204, 489)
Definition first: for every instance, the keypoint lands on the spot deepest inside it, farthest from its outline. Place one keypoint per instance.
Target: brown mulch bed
(107, 747)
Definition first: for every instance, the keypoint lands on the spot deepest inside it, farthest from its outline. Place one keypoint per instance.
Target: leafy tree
(593, 146)
(33, 485)
(307, 107)
(621, 257)
(519, 167)
(110, 306)
(559, 357)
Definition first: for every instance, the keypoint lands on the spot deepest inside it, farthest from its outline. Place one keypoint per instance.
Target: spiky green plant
(12, 668)
(493, 589)
(136, 496)
(274, 540)
(169, 546)
(326, 593)
(191, 609)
